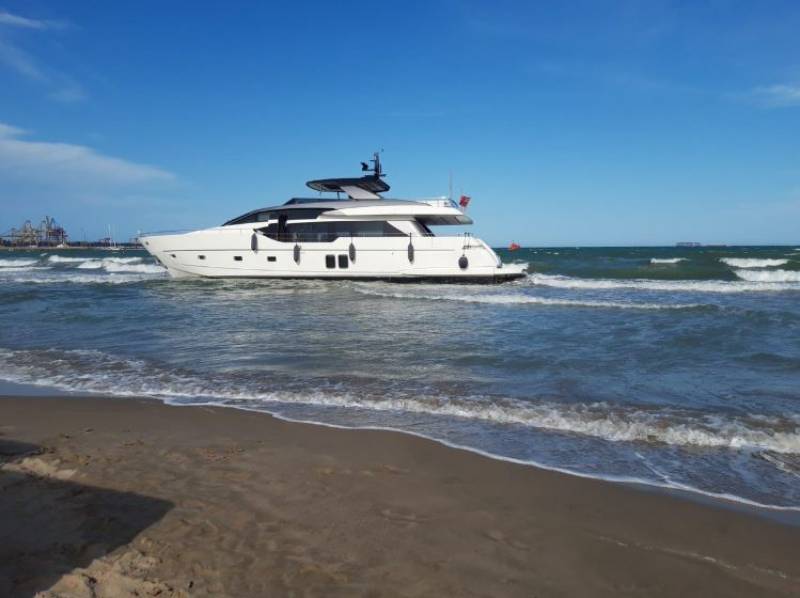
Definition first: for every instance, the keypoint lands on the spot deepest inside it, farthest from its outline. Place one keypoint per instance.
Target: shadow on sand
(49, 526)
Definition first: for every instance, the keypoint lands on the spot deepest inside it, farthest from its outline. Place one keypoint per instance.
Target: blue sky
(598, 123)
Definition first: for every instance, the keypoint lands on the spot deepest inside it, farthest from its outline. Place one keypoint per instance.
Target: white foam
(61, 259)
(770, 276)
(114, 264)
(97, 372)
(90, 264)
(698, 286)
(121, 260)
(663, 483)
(17, 263)
(58, 278)
(139, 268)
(527, 300)
(7, 269)
(751, 262)
(667, 260)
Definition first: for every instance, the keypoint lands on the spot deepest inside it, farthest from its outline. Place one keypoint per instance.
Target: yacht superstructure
(359, 236)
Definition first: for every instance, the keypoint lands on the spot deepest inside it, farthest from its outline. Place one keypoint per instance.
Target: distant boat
(513, 246)
(112, 246)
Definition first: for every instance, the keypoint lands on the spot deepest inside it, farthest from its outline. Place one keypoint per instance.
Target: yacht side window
(325, 232)
(423, 229)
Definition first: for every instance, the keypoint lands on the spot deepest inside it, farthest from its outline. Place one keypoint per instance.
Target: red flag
(464, 201)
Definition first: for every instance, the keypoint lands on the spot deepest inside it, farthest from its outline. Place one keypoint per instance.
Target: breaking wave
(60, 259)
(92, 371)
(527, 300)
(27, 277)
(667, 260)
(751, 262)
(769, 275)
(139, 268)
(17, 263)
(117, 264)
(78, 269)
(699, 286)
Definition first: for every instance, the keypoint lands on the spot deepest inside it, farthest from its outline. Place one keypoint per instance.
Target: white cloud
(777, 96)
(12, 20)
(9, 131)
(72, 168)
(20, 61)
(63, 89)
(6, 18)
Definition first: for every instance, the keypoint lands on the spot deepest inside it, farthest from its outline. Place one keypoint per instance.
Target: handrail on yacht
(156, 233)
(443, 202)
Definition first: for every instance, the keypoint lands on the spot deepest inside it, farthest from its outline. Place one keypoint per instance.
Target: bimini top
(365, 187)
(363, 201)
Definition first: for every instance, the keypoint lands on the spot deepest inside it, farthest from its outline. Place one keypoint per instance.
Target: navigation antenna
(376, 169)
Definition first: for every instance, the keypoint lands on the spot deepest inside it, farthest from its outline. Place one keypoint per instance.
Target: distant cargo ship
(696, 244)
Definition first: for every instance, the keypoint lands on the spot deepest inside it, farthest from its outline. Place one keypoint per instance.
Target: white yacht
(359, 236)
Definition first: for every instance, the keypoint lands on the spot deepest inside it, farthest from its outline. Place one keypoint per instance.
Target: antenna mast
(450, 186)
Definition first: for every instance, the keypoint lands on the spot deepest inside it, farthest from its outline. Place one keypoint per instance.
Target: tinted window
(424, 228)
(325, 232)
(330, 261)
(343, 261)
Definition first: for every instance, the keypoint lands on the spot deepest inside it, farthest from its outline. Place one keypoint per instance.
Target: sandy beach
(130, 497)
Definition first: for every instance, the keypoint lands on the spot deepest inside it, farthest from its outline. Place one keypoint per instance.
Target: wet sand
(129, 497)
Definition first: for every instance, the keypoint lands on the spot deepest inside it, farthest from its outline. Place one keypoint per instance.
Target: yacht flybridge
(359, 236)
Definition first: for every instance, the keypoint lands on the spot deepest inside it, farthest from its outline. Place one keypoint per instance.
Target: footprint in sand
(500, 538)
(408, 518)
(390, 469)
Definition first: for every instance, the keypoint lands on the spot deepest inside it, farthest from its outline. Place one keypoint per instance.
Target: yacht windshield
(265, 215)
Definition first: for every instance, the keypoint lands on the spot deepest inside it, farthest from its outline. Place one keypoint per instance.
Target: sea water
(673, 367)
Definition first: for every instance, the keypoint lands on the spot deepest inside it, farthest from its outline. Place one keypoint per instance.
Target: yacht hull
(226, 252)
